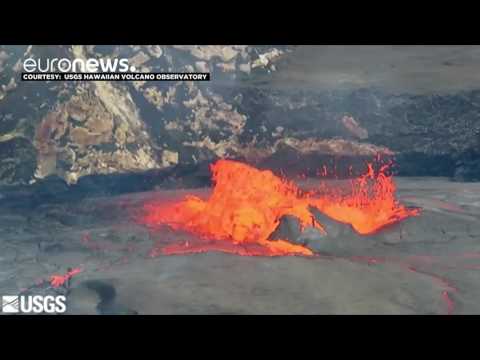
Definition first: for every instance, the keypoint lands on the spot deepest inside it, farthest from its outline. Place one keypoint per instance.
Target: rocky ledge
(70, 130)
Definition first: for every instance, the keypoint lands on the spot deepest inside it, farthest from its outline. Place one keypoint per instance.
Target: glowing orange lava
(58, 280)
(369, 205)
(247, 204)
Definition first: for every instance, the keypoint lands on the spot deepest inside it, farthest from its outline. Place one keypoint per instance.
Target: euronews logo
(65, 65)
(36, 304)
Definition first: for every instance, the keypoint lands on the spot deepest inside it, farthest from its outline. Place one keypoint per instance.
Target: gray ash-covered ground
(424, 265)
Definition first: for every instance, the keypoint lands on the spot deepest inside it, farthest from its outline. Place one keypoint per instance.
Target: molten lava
(369, 205)
(59, 280)
(247, 204)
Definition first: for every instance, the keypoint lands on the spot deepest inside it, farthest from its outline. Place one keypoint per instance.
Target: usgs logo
(34, 304)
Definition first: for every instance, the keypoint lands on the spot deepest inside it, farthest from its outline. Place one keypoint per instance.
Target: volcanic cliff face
(74, 129)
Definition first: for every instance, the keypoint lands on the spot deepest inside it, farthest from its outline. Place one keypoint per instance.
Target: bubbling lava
(247, 204)
(368, 205)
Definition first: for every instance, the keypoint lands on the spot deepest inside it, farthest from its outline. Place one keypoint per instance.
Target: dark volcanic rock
(428, 133)
(467, 167)
(339, 239)
(288, 229)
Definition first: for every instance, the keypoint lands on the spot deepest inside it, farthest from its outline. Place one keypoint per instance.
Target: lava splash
(368, 205)
(247, 204)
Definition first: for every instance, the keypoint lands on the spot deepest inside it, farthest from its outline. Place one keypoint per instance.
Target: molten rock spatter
(246, 206)
(369, 205)
(59, 280)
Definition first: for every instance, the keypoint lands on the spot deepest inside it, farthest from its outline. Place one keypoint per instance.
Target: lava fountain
(247, 204)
